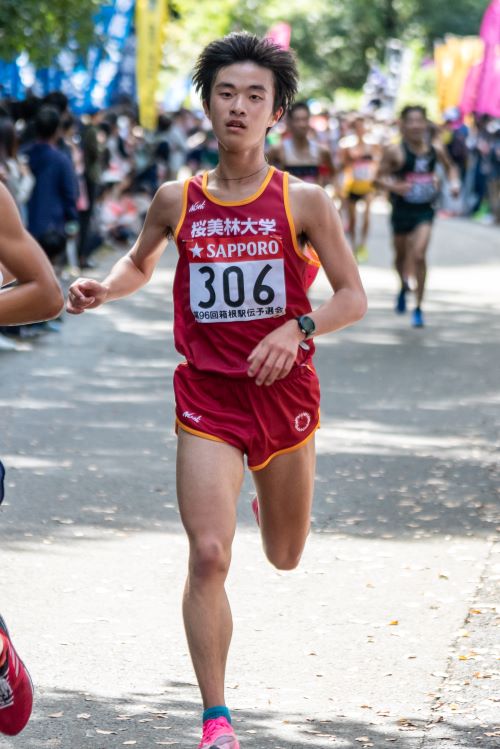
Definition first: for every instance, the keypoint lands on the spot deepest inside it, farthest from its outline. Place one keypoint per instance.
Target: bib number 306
(225, 292)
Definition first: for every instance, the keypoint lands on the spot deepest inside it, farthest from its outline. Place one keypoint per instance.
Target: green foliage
(335, 41)
(461, 18)
(419, 83)
(43, 27)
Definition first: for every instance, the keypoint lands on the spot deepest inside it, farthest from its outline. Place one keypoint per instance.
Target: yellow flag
(150, 19)
(453, 59)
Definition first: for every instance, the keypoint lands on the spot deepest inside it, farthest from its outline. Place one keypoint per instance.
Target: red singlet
(240, 274)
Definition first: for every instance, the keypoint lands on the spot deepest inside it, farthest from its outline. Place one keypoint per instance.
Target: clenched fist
(85, 293)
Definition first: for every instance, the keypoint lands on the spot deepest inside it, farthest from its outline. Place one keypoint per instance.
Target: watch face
(307, 325)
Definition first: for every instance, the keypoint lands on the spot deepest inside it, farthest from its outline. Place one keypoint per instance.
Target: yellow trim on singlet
(205, 436)
(184, 208)
(284, 451)
(291, 224)
(207, 194)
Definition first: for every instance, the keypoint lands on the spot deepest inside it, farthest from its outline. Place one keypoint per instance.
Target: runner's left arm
(315, 215)
(452, 173)
(327, 163)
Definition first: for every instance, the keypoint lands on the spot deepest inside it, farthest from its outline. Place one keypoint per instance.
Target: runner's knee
(209, 557)
(286, 558)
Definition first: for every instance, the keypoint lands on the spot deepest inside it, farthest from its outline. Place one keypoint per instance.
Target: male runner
(306, 159)
(360, 156)
(299, 154)
(241, 317)
(407, 171)
(37, 296)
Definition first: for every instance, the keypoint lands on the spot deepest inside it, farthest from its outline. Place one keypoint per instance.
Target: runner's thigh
(209, 478)
(285, 491)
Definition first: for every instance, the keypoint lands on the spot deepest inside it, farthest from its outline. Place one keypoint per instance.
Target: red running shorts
(261, 421)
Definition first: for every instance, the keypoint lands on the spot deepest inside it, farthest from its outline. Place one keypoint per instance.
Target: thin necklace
(236, 179)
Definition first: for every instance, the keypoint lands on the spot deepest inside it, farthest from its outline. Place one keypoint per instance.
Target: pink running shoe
(218, 734)
(16, 687)
(255, 508)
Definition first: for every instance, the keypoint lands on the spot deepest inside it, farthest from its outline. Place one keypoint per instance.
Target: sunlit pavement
(387, 634)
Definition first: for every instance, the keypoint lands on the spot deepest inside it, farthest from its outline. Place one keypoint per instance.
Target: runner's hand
(273, 358)
(85, 293)
(400, 187)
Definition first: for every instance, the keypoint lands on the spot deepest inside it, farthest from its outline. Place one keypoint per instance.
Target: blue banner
(90, 83)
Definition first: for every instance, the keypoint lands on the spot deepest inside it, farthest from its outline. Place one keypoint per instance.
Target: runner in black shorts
(407, 171)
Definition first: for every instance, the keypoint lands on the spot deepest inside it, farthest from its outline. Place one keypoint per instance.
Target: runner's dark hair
(413, 108)
(240, 46)
(298, 105)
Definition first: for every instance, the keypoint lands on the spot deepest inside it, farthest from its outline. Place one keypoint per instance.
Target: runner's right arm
(135, 269)
(37, 295)
(392, 160)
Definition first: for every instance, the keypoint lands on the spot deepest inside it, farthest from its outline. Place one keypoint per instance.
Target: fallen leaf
(105, 733)
(394, 623)
(84, 716)
(362, 739)
(129, 743)
(56, 715)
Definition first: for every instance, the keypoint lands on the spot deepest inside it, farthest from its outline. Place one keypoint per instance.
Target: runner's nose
(238, 107)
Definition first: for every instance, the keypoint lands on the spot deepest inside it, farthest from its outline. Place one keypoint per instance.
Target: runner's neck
(225, 187)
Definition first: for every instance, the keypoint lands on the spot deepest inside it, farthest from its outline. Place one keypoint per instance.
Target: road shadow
(407, 448)
(65, 719)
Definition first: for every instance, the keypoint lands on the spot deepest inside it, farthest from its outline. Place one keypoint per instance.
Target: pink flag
(490, 25)
(471, 85)
(488, 94)
(280, 34)
(488, 90)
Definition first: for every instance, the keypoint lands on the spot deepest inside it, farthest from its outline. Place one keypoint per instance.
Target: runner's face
(241, 105)
(298, 123)
(414, 126)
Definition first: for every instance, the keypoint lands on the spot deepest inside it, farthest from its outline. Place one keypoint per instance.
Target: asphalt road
(387, 634)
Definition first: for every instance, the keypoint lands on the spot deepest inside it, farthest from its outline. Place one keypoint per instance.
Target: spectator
(494, 172)
(14, 172)
(52, 206)
(177, 138)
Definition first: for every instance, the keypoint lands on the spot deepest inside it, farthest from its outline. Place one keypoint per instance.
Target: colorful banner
(150, 20)
(490, 25)
(488, 89)
(454, 58)
(280, 34)
(88, 83)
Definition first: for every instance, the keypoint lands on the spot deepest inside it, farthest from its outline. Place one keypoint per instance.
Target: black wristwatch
(306, 325)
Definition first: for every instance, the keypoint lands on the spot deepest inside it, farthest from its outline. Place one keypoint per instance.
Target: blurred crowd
(83, 183)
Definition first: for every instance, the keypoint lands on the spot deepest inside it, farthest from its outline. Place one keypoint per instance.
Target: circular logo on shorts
(302, 421)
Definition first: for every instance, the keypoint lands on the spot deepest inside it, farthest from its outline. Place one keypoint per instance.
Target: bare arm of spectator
(38, 295)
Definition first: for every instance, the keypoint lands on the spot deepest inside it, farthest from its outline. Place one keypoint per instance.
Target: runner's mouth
(236, 124)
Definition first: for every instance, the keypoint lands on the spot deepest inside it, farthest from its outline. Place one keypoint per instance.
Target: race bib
(423, 188)
(234, 279)
(363, 171)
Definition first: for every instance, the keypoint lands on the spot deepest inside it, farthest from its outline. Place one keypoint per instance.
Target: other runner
(408, 172)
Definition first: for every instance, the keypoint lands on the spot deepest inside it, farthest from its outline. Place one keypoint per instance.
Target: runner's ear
(206, 110)
(276, 117)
